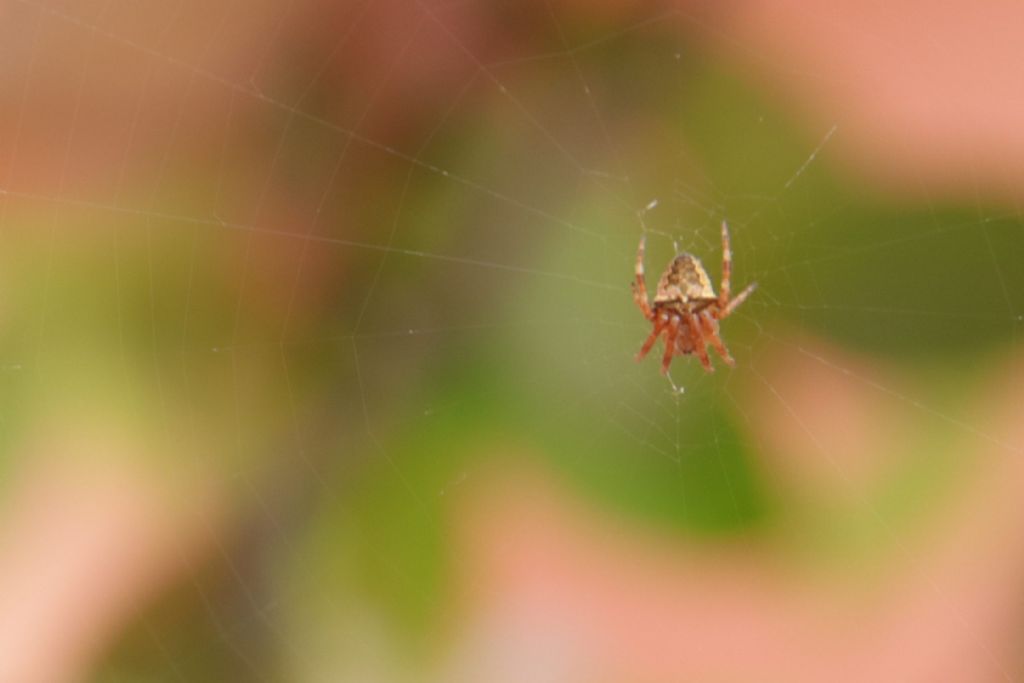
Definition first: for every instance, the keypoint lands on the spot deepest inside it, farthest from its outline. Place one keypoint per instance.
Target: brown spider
(686, 309)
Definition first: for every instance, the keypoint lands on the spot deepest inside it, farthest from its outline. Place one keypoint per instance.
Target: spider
(686, 309)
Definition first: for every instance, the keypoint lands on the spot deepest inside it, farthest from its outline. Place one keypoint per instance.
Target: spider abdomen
(684, 280)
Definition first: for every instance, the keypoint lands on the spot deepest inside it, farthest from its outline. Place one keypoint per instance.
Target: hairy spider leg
(659, 327)
(640, 286)
(640, 299)
(723, 294)
(710, 328)
(734, 304)
(698, 341)
(670, 344)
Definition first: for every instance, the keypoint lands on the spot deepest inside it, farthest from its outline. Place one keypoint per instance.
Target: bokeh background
(317, 345)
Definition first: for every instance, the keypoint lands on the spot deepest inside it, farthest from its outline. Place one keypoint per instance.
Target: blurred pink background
(124, 105)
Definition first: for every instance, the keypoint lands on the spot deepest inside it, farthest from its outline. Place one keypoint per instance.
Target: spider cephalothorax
(686, 309)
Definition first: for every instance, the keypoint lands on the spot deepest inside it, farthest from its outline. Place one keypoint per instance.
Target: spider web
(357, 309)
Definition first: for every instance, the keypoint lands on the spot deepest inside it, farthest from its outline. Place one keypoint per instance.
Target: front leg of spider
(726, 305)
(639, 285)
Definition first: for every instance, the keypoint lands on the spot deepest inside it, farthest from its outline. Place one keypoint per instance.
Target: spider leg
(723, 295)
(659, 327)
(639, 285)
(710, 328)
(734, 304)
(698, 341)
(670, 344)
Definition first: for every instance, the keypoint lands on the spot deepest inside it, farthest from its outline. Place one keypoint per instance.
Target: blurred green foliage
(523, 328)
(551, 370)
